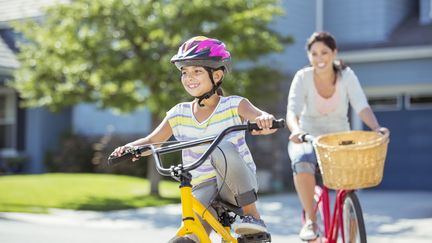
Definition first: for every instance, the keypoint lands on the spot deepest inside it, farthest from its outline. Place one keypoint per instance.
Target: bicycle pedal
(263, 237)
(317, 240)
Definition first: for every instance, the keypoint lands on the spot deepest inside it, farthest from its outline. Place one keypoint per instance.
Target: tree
(116, 53)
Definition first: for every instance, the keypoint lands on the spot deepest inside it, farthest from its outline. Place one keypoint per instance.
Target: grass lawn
(100, 192)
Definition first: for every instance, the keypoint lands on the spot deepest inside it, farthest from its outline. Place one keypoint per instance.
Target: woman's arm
(359, 101)
(369, 118)
(248, 111)
(294, 127)
(296, 99)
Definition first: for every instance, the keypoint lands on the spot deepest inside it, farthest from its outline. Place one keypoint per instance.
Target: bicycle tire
(353, 223)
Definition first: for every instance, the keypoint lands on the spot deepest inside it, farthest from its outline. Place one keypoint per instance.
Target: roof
(11, 10)
(21, 9)
(410, 33)
(7, 57)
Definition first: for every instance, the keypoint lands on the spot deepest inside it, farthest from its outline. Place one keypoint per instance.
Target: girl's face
(195, 80)
(321, 57)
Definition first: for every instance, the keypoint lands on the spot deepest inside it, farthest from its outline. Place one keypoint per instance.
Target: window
(7, 120)
(418, 101)
(386, 103)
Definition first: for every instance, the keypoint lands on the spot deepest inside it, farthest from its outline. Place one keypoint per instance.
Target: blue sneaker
(250, 225)
(182, 239)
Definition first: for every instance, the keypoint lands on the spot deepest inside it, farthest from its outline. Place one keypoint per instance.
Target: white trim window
(8, 121)
(386, 102)
(418, 101)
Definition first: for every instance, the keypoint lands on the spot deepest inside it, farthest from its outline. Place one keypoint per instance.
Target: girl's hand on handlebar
(119, 151)
(264, 122)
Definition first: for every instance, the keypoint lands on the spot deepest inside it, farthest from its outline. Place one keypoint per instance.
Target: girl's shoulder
(230, 101)
(232, 98)
(180, 108)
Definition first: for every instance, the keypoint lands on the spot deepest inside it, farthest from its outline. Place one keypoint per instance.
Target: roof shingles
(7, 57)
(21, 9)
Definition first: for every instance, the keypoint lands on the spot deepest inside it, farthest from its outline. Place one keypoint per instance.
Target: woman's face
(321, 57)
(195, 80)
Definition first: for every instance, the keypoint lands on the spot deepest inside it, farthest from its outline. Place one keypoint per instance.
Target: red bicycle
(345, 223)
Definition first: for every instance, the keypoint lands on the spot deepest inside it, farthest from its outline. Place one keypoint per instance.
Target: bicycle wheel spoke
(353, 223)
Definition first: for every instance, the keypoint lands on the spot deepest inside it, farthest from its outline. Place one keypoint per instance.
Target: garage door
(409, 160)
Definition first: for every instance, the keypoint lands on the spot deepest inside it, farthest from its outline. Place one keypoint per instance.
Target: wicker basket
(351, 160)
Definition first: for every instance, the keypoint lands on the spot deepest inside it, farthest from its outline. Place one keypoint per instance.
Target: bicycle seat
(226, 206)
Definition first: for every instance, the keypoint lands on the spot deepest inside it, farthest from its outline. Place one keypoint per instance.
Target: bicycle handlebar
(214, 140)
(306, 137)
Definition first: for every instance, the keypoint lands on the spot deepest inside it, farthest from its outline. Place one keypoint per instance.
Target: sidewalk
(390, 216)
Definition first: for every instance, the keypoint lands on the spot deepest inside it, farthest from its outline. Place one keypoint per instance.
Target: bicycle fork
(331, 230)
(191, 223)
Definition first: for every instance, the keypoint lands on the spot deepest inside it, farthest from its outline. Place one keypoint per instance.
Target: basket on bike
(351, 160)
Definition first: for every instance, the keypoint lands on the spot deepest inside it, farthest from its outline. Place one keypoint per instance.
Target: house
(31, 133)
(388, 43)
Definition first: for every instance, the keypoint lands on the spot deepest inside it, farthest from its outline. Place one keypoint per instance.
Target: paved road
(390, 217)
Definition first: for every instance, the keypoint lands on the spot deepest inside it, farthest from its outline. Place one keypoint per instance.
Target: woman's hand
(265, 122)
(295, 136)
(383, 130)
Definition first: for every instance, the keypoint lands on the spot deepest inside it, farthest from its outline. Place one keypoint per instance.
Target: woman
(318, 103)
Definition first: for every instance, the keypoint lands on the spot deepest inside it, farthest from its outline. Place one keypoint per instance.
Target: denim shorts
(303, 158)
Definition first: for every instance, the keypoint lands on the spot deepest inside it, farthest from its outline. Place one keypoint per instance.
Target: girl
(203, 62)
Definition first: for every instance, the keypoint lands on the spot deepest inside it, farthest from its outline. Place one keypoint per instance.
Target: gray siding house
(388, 43)
(30, 133)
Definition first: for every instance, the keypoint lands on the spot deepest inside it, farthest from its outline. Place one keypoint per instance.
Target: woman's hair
(328, 40)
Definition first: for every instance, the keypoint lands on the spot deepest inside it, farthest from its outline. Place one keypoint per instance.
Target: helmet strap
(213, 89)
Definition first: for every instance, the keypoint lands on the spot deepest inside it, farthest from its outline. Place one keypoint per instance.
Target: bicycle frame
(332, 223)
(191, 208)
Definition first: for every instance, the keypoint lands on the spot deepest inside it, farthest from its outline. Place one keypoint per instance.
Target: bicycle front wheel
(352, 218)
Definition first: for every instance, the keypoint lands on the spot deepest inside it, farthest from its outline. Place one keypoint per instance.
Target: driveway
(390, 216)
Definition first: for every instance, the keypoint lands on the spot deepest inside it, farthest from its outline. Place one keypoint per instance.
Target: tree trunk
(152, 175)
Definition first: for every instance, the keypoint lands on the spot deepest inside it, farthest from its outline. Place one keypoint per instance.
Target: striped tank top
(185, 127)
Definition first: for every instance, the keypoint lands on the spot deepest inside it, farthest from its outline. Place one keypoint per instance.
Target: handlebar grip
(127, 156)
(280, 123)
(306, 137)
(113, 160)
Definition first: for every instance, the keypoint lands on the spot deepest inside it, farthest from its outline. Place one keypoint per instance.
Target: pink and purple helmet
(203, 51)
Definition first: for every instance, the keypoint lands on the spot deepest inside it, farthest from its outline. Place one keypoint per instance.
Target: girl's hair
(219, 90)
(330, 41)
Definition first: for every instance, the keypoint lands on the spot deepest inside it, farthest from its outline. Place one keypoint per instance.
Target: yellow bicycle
(190, 206)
